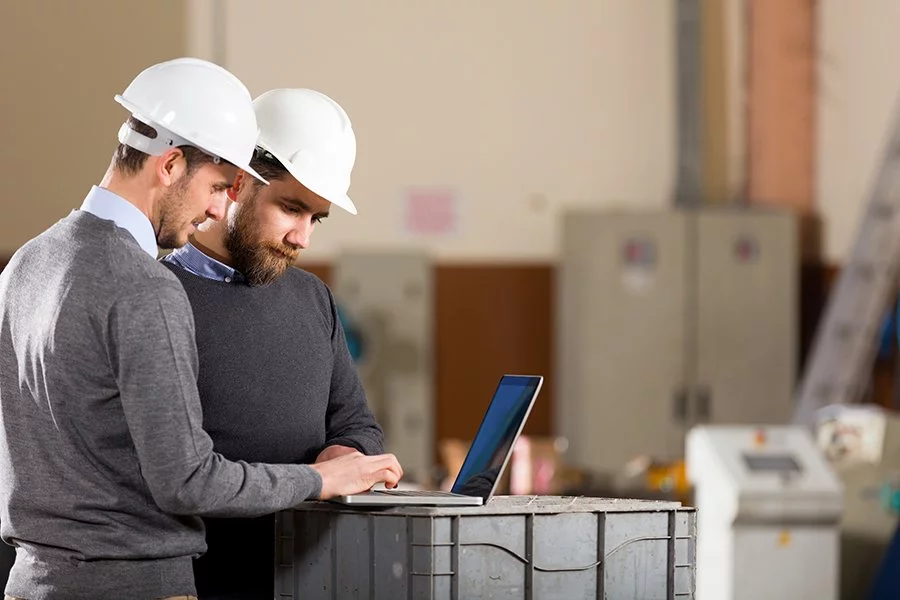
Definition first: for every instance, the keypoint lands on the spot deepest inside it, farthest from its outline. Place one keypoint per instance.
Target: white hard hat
(311, 135)
(192, 102)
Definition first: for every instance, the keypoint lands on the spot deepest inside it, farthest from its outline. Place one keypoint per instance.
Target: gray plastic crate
(516, 547)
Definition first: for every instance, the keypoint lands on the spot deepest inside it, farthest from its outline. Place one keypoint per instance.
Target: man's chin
(173, 242)
(266, 275)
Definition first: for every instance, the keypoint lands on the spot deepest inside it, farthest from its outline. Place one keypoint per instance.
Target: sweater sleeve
(155, 358)
(349, 421)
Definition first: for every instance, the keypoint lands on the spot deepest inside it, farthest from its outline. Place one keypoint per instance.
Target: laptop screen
(499, 429)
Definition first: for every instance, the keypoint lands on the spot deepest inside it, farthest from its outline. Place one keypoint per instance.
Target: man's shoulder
(85, 245)
(306, 281)
(99, 266)
(309, 289)
(133, 265)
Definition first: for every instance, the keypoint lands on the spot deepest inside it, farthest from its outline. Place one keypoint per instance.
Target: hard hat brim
(250, 171)
(344, 202)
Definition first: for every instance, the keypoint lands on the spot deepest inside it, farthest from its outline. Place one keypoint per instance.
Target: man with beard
(102, 455)
(276, 378)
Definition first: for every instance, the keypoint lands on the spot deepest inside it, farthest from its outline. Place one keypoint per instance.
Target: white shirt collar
(107, 205)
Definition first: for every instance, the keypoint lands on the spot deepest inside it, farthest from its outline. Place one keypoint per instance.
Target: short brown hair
(269, 167)
(129, 160)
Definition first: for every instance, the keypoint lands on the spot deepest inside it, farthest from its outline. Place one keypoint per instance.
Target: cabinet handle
(703, 403)
(679, 404)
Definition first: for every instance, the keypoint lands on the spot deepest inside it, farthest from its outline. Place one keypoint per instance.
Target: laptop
(486, 458)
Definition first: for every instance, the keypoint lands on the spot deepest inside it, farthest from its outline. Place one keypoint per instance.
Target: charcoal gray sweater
(103, 461)
(277, 384)
(276, 379)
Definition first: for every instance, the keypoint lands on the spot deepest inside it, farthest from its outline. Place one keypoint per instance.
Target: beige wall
(521, 107)
(62, 63)
(859, 86)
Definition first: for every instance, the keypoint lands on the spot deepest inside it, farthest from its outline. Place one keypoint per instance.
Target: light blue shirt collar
(191, 259)
(106, 205)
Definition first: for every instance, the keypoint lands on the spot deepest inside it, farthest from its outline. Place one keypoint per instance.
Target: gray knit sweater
(104, 465)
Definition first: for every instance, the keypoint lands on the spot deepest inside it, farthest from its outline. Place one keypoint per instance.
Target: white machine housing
(768, 514)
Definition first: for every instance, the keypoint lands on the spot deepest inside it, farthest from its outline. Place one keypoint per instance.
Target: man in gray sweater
(260, 320)
(104, 465)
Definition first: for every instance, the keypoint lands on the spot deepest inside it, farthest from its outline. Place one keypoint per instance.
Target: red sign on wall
(431, 211)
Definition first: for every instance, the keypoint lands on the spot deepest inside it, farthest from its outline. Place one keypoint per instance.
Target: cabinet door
(621, 334)
(747, 269)
(390, 297)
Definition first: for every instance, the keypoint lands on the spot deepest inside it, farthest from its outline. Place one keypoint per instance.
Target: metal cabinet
(746, 319)
(389, 296)
(668, 319)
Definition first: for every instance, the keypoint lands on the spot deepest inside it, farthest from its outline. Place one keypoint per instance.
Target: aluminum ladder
(839, 367)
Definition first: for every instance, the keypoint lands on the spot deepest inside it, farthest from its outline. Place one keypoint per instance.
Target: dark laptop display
(486, 458)
(495, 436)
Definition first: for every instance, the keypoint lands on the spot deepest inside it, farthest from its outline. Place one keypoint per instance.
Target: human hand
(334, 452)
(355, 472)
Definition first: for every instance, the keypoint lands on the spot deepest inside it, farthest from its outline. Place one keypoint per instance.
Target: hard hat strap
(164, 141)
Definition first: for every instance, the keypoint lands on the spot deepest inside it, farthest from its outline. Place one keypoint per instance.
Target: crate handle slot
(524, 560)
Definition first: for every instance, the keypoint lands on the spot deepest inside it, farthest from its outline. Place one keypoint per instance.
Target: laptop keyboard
(417, 493)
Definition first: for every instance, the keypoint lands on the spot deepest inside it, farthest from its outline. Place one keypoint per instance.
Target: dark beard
(259, 262)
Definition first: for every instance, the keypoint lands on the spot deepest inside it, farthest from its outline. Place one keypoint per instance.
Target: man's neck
(134, 191)
(212, 245)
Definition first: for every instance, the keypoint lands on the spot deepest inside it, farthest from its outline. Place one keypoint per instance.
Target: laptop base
(417, 498)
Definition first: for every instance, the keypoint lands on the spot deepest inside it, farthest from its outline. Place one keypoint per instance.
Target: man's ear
(239, 182)
(170, 166)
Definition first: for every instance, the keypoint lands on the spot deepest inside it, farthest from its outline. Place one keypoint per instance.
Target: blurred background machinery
(769, 509)
(671, 319)
(388, 299)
